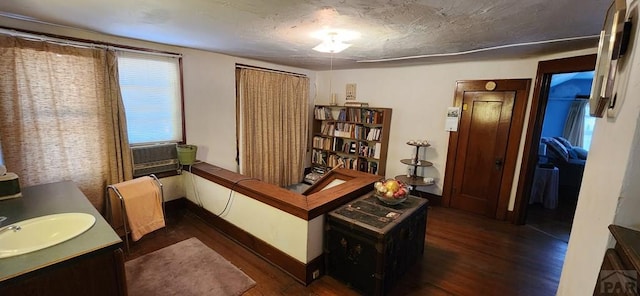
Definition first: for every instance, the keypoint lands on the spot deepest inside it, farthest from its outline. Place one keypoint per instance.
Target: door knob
(499, 162)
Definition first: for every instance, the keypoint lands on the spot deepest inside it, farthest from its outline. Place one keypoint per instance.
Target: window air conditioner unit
(153, 159)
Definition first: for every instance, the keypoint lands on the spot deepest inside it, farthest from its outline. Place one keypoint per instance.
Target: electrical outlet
(351, 91)
(316, 274)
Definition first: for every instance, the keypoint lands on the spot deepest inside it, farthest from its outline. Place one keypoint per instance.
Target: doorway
(483, 151)
(563, 149)
(536, 156)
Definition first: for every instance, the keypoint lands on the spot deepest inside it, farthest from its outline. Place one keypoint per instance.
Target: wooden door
(482, 153)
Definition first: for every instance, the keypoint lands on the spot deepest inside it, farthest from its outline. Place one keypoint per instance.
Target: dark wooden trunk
(370, 245)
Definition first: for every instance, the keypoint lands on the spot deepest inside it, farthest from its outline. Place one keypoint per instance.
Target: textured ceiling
(406, 32)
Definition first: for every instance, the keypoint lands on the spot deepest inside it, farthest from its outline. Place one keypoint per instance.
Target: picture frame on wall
(610, 49)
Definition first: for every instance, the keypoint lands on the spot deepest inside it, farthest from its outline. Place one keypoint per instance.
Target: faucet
(15, 228)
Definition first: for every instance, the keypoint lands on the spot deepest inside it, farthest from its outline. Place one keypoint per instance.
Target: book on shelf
(322, 143)
(342, 115)
(323, 113)
(319, 157)
(344, 129)
(373, 167)
(372, 151)
(363, 166)
(373, 134)
(352, 147)
(327, 128)
(337, 144)
(320, 170)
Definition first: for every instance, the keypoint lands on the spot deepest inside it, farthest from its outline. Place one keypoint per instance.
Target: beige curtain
(61, 116)
(274, 124)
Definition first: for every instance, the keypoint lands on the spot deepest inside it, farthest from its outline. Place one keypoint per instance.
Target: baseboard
(301, 272)
(434, 200)
(176, 205)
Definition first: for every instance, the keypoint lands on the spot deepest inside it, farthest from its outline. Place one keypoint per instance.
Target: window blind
(150, 87)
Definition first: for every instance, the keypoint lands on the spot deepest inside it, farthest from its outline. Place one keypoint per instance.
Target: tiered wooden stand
(413, 179)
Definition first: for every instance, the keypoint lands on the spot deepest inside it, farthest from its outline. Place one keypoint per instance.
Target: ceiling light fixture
(331, 44)
(333, 41)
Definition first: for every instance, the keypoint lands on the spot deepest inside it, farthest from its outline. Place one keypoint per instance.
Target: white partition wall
(298, 238)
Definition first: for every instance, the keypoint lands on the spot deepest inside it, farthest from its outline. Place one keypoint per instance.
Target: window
(150, 86)
(589, 124)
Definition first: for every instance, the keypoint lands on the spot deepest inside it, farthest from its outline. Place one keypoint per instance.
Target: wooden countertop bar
(316, 201)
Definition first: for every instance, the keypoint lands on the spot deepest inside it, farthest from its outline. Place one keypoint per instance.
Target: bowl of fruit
(391, 191)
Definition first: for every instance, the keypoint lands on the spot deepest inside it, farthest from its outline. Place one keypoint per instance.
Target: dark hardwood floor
(554, 222)
(464, 255)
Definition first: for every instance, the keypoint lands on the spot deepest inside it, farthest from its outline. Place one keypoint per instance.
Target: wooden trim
(384, 140)
(288, 264)
(272, 195)
(447, 186)
(313, 265)
(522, 88)
(434, 200)
(305, 207)
(237, 85)
(326, 179)
(509, 215)
(536, 118)
(175, 205)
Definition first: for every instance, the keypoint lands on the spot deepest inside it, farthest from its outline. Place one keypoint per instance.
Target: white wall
(210, 103)
(172, 188)
(610, 191)
(419, 96)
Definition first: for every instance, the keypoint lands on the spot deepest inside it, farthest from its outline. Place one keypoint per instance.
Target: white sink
(42, 232)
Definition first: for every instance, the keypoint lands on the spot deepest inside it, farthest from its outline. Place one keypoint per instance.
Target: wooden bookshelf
(357, 136)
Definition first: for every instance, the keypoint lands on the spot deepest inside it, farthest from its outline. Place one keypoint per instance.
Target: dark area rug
(185, 268)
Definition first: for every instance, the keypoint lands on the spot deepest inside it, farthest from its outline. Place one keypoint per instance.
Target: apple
(400, 193)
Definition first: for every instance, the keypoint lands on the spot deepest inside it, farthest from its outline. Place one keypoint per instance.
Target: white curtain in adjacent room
(574, 125)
